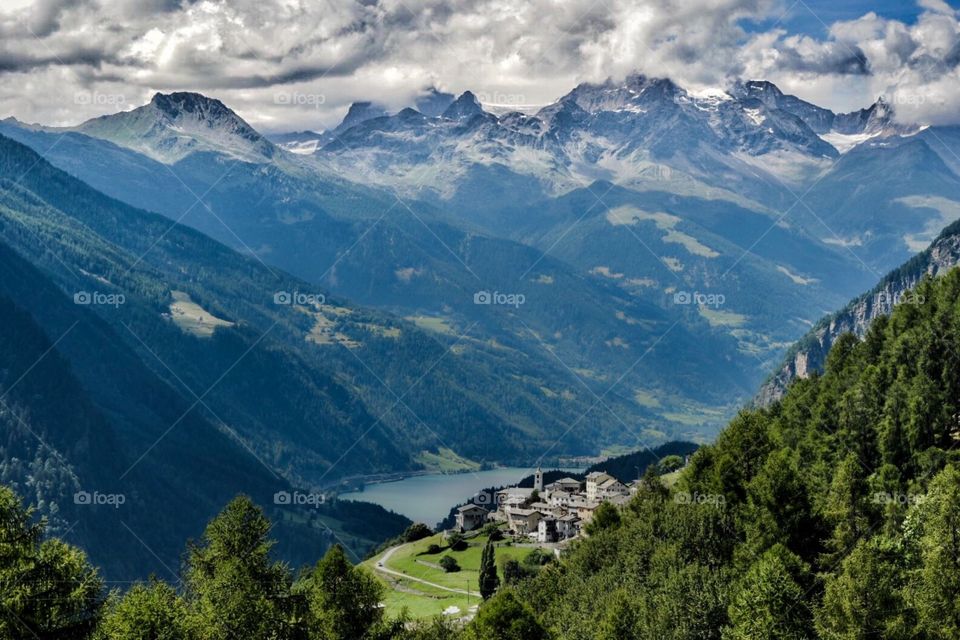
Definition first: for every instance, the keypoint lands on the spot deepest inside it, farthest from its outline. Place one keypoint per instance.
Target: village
(526, 527)
(545, 514)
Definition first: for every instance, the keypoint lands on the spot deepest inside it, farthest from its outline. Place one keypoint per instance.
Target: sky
(288, 65)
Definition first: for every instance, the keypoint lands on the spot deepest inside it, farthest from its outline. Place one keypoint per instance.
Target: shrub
(449, 564)
(417, 531)
(457, 542)
(493, 532)
(670, 463)
(537, 558)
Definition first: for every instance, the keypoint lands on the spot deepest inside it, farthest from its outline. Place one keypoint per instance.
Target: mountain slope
(809, 354)
(657, 244)
(83, 415)
(597, 209)
(832, 514)
(883, 201)
(753, 147)
(315, 398)
(400, 258)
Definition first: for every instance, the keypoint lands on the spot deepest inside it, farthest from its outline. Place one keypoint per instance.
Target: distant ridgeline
(624, 468)
(631, 466)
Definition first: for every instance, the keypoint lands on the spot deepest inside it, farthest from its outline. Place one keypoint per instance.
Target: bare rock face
(810, 353)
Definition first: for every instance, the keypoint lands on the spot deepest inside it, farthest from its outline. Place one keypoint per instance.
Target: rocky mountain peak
(181, 102)
(466, 106)
(174, 125)
(433, 102)
(199, 109)
(361, 112)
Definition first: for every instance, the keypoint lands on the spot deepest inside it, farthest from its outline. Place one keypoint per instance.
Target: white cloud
(253, 53)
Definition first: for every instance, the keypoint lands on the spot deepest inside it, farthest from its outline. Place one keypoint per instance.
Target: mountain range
(639, 186)
(433, 288)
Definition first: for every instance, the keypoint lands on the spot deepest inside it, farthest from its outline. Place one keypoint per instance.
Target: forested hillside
(808, 355)
(313, 370)
(77, 410)
(833, 514)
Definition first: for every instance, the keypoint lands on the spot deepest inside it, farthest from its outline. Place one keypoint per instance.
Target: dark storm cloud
(829, 58)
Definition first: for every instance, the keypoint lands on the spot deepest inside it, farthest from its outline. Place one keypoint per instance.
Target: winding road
(381, 566)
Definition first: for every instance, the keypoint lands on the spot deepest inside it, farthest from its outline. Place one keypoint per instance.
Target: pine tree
(152, 610)
(48, 589)
(770, 601)
(865, 599)
(344, 600)
(621, 620)
(489, 581)
(938, 588)
(606, 516)
(779, 508)
(846, 508)
(234, 587)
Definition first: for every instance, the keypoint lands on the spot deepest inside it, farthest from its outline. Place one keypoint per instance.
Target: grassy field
(423, 600)
(446, 461)
(431, 323)
(192, 318)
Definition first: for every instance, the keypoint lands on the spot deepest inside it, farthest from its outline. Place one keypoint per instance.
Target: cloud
(258, 55)
(914, 66)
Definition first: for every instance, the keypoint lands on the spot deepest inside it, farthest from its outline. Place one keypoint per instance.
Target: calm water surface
(429, 498)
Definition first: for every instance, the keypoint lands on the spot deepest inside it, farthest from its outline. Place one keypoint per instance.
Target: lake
(428, 498)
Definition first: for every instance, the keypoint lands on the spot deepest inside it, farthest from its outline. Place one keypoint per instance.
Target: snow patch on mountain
(843, 142)
(756, 116)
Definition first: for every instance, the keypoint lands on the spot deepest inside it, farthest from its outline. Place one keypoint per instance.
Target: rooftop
(470, 507)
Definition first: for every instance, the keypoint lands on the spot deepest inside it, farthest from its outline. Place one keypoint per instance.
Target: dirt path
(381, 566)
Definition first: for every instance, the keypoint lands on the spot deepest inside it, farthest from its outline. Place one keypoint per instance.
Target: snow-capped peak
(622, 96)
